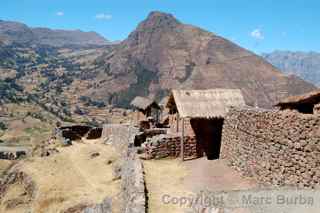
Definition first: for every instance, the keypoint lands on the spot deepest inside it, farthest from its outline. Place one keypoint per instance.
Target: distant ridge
(15, 32)
(303, 64)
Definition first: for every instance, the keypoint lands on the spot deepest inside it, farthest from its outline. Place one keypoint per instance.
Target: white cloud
(60, 13)
(103, 16)
(257, 34)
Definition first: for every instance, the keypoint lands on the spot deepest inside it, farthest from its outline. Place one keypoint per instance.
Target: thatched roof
(308, 98)
(213, 103)
(143, 103)
(164, 101)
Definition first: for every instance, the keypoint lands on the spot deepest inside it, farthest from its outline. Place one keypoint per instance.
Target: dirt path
(79, 174)
(164, 182)
(169, 179)
(214, 175)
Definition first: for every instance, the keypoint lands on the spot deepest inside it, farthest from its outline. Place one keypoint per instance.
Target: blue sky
(261, 25)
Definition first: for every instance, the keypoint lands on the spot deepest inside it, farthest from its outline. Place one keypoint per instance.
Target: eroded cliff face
(162, 53)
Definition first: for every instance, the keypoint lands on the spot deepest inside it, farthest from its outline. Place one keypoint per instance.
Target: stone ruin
(13, 153)
(133, 190)
(163, 146)
(77, 132)
(275, 147)
(316, 109)
(94, 133)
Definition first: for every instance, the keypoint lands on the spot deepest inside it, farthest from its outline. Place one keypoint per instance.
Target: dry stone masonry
(133, 191)
(13, 153)
(162, 146)
(276, 147)
(316, 109)
(133, 184)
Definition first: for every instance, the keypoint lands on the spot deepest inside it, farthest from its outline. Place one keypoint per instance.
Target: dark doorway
(305, 108)
(208, 135)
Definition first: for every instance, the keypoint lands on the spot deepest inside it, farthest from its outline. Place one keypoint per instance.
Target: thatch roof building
(145, 108)
(164, 101)
(143, 103)
(212, 103)
(303, 103)
(200, 114)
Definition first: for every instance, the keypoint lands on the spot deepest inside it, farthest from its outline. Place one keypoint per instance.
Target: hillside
(76, 80)
(163, 53)
(15, 32)
(303, 64)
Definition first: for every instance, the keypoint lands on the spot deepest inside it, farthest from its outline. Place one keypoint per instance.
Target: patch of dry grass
(73, 177)
(164, 177)
(23, 129)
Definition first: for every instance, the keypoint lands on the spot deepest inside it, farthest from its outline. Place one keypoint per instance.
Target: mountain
(303, 64)
(163, 53)
(66, 76)
(15, 32)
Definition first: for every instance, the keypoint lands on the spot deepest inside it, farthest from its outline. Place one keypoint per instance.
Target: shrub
(3, 126)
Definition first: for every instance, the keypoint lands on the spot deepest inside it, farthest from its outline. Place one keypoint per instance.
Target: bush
(3, 126)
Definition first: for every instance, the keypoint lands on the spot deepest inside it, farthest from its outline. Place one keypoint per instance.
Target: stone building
(308, 103)
(316, 109)
(164, 116)
(276, 147)
(145, 108)
(200, 114)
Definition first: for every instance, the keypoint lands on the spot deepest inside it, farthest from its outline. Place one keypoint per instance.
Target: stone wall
(148, 133)
(133, 184)
(133, 191)
(316, 109)
(94, 133)
(276, 147)
(13, 153)
(176, 127)
(162, 146)
(119, 135)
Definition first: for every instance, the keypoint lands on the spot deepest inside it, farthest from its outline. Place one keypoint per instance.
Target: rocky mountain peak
(160, 19)
(164, 53)
(155, 25)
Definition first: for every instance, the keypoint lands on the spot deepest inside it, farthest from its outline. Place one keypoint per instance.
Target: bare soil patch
(186, 179)
(214, 175)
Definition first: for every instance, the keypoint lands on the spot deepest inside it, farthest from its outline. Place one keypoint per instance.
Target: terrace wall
(275, 147)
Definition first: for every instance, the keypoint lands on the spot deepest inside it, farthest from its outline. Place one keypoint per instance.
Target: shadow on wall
(208, 135)
(94, 133)
(77, 132)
